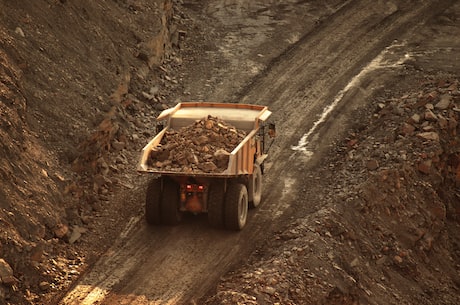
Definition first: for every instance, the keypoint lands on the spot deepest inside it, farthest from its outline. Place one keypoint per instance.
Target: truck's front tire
(216, 197)
(152, 202)
(170, 213)
(255, 187)
(236, 206)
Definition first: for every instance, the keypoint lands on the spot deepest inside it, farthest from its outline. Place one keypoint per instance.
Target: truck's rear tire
(255, 187)
(152, 202)
(216, 204)
(170, 213)
(236, 206)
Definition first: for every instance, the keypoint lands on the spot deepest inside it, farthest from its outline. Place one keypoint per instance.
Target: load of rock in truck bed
(204, 146)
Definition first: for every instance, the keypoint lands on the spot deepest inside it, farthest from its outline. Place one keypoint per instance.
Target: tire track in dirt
(174, 265)
(356, 37)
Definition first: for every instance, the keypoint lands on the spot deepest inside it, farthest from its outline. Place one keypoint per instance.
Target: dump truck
(188, 176)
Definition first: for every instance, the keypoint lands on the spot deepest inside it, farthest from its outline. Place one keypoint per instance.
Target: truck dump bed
(245, 117)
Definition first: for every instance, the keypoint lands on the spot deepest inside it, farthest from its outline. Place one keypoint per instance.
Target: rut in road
(175, 265)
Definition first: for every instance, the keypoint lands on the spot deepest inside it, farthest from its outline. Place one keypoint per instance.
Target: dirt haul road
(322, 72)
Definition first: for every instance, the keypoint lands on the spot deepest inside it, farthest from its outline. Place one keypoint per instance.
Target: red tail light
(191, 188)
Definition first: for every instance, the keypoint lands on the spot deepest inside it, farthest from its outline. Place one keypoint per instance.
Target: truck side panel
(142, 166)
(241, 160)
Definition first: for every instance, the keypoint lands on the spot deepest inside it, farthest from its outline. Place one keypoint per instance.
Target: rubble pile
(415, 132)
(204, 146)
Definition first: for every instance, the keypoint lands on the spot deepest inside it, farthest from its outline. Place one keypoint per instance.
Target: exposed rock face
(204, 146)
(124, 42)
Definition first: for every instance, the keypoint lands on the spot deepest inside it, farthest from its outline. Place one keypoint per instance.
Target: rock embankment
(390, 228)
(62, 160)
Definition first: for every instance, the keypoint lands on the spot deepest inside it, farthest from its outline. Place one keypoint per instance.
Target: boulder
(429, 135)
(6, 273)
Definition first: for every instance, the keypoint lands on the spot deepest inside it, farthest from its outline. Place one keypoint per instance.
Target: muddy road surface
(312, 64)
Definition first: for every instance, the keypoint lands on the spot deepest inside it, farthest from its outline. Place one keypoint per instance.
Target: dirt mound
(204, 146)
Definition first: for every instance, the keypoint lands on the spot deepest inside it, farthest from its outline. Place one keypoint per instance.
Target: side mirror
(272, 130)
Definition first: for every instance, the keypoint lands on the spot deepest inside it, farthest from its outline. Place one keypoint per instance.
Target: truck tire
(170, 213)
(152, 202)
(236, 206)
(216, 204)
(255, 187)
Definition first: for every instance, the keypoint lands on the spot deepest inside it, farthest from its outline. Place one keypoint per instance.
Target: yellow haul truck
(224, 195)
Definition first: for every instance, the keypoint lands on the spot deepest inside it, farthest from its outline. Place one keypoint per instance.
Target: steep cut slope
(66, 71)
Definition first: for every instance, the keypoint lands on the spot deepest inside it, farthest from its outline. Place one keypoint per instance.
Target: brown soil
(372, 217)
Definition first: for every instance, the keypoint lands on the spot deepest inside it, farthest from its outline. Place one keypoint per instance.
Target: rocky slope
(66, 71)
(389, 233)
